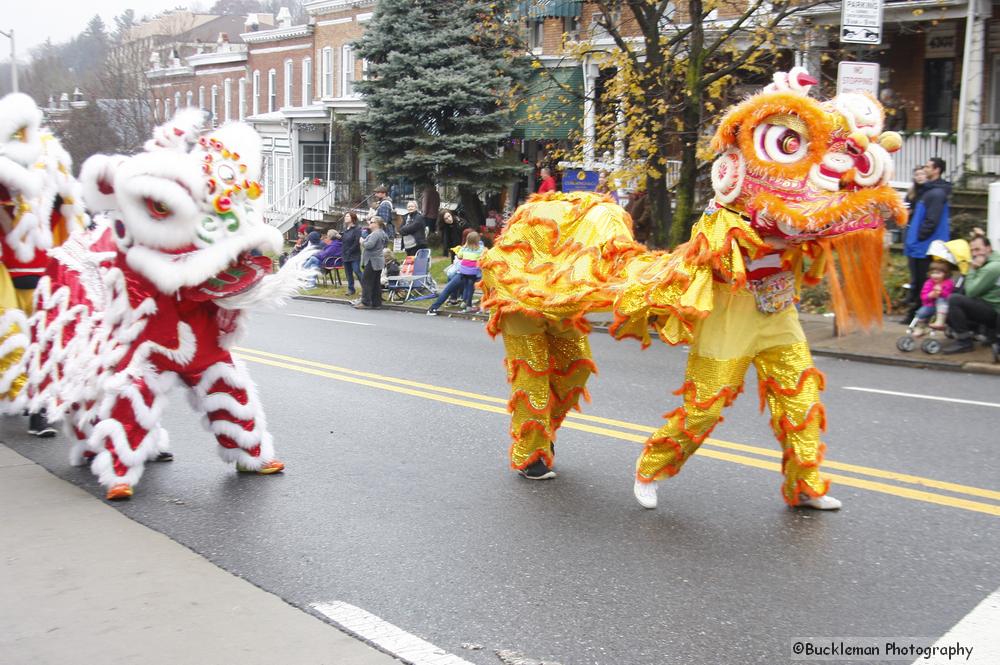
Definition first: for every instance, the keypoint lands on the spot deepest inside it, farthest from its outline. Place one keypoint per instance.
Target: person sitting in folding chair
(466, 274)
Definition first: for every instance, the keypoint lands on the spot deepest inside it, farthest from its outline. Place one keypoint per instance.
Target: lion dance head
(813, 172)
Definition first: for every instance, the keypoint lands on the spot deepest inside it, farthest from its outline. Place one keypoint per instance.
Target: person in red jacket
(548, 181)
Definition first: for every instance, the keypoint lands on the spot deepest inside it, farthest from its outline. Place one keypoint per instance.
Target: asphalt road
(398, 500)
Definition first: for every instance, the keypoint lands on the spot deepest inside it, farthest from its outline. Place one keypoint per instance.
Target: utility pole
(13, 59)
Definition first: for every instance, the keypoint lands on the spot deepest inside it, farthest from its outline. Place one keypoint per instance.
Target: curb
(874, 358)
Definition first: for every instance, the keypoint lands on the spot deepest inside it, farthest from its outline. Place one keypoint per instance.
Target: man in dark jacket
(351, 250)
(413, 230)
(929, 222)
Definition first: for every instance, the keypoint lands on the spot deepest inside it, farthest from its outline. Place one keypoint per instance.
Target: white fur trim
(18, 112)
(170, 272)
(274, 290)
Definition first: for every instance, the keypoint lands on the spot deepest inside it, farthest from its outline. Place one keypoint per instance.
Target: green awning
(552, 106)
(545, 8)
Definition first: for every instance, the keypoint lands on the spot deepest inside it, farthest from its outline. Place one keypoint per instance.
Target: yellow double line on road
(714, 448)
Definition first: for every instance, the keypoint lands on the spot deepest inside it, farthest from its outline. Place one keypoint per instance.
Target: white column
(590, 73)
(970, 104)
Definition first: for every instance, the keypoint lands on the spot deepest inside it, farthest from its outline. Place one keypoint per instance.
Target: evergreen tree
(441, 77)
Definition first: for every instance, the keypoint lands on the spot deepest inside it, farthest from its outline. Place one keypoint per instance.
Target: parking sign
(861, 22)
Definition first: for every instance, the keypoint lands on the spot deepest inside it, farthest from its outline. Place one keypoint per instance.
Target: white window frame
(327, 72)
(255, 93)
(272, 92)
(177, 100)
(215, 105)
(288, 82)
(241, 90)
(347, 71)
(157, 113)
(189, 98)
(307, 81)
(166, 108)
(227, 100)
(536, 33)
(201, 97)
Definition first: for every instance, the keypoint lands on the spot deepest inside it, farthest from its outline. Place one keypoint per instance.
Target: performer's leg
(790, 385)
(529, 368)
(14, 340)
(710, 385)
(228, 397)
(127, 434)
(572, 365)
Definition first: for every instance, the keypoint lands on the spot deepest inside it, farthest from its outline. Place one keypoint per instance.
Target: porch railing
(287, 202)
(917, 149)
(313, 204)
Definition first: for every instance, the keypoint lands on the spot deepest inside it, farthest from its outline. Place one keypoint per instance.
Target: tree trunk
(472, 206)
(659, 210)
(690, 125)
(686, 186)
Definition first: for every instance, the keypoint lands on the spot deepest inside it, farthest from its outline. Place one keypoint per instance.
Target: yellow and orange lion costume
(799, 185)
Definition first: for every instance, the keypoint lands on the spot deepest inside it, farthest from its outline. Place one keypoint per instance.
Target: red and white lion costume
(155, 295)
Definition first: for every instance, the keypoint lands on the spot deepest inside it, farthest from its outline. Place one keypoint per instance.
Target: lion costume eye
(781, 139)
(157, 209)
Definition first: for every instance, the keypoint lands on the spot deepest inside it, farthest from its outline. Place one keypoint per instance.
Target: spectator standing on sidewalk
(413, 230)
(928, 222)
(430, 207)
(980, 304)
(548, 182)
(351, 249)
(372, 263)
(384, 210)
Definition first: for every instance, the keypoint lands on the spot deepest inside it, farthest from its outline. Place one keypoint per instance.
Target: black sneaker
(39, 426)
(165, 456)
(958, 346)
(538, 470)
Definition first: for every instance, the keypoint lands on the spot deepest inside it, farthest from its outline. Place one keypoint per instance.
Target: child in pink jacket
(934, 298)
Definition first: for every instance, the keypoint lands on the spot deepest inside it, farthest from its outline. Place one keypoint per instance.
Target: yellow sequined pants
(11, 298)
(732, 337)
(547, 367)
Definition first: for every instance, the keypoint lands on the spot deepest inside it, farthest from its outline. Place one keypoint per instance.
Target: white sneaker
(825, 502)
(645, 494)
(432, 312)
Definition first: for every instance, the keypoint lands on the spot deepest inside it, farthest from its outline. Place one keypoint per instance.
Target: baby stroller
(957, 254)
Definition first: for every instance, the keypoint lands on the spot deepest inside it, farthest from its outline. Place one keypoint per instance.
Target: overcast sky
(34, 21)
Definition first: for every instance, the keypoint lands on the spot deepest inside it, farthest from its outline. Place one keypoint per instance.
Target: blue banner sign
(578, 180)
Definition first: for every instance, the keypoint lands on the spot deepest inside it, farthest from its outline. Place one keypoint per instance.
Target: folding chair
(332, 267)
(419, 285)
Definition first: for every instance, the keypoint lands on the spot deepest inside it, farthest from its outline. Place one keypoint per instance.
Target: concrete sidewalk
(82, 583)
(877, 346)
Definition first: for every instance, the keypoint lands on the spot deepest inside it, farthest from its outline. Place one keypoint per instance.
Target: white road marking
(394, 641)
(933, 397)
(978, 630)
(323, 318)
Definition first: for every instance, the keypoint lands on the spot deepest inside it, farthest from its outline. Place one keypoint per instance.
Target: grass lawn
(438, 264)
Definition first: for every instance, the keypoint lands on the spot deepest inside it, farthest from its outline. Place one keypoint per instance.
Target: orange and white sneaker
(274, 466)
(120, 492)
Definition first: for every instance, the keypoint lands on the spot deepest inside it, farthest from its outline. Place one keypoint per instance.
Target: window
(287, 83)
(328, 72)
(347, 71)
(157, 116)
(227, 100)
(241, 90)
(166, 108)
(307, 81)
(314, 160)
(201, 97)
(189, 98)
(364, 69)
(536, 32)
(215, 105)
(571, 27)
(272, 90)
(177, 100)
(255, 93)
